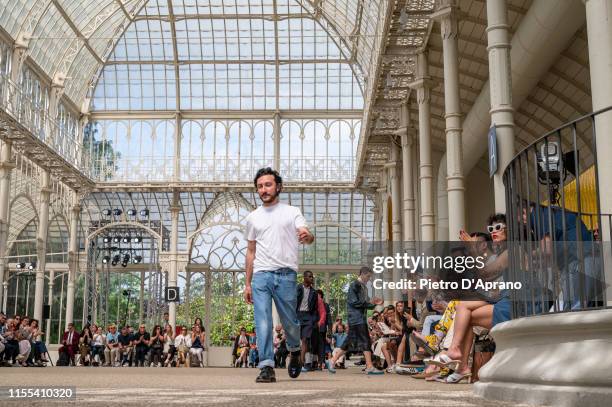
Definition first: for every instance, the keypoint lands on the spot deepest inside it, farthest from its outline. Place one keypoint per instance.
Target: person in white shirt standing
(274, 231)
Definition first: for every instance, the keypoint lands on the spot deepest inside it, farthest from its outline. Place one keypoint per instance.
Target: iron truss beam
(217, 187)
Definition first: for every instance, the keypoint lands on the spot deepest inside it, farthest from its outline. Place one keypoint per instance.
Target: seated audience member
(111, 350)
(2, 340)
(124, 340)
(98, 344)
(38, 346)
(24, 334)
(253, 351)
(241, 348)
(11, 344)
(85, 346)
(339, 337)
(169, 348)
(70, 343)
(156, 346)
(182, 343)
(280, 347)
(478, 313)
(438, 305)
(141, 340)
(392, 334)
(198, 340)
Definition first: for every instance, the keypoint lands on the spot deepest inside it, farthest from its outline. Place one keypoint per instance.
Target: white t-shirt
(274, 228)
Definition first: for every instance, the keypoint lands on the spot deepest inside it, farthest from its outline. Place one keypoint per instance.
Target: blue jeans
(592, 280)
(279, 285)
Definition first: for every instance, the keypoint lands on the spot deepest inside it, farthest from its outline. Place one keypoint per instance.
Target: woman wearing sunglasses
(478, 313)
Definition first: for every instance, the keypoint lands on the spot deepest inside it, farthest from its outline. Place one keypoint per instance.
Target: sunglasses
(496, 227)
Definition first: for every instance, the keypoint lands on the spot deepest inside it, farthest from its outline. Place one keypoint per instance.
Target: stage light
(116, 239)
(144, 212)
(117, 212)
(126, 260)
(126, 239)
(116, 259)
(107, 212)
(106, 259)
(20, 266)
(106, 239)
(131, 212)
(137, 259)
(137, 239)
(32, 266)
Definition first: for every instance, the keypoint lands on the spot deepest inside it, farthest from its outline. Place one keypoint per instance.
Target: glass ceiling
(227, 55)
(275, 43)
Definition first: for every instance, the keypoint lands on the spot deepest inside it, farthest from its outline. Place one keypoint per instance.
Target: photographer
(141, 343)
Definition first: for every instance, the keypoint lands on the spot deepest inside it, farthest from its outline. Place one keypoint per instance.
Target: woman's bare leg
(473, 313)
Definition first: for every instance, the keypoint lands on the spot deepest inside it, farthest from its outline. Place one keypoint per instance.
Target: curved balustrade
(558, 238)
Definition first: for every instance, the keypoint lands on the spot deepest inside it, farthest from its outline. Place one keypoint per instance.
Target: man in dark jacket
(358, 303)
(308, 315)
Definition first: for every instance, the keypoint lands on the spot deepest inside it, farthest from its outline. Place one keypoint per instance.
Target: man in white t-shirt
(274, 231)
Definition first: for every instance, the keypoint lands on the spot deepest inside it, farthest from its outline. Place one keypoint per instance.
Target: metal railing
(555, 224)
(35, 119)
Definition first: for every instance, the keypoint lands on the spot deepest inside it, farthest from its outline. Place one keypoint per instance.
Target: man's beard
(269, 198)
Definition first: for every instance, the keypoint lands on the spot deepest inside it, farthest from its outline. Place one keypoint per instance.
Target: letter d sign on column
(172, 294)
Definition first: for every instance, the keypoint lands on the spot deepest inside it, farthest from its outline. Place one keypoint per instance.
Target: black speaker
(46, 311)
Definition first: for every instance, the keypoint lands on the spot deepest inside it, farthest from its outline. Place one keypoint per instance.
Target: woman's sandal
(443, 360)
(458, 377)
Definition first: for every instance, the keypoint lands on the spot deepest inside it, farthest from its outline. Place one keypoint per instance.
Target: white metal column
(73, 261)
(175, 210)
(41, 244)
(422, 85)
(407, 141)
(500, 81)
(447, 16)
(50, 304)
(6, 166)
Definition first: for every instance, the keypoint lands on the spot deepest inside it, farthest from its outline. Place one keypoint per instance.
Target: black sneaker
(266, 375)
(295, 365)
